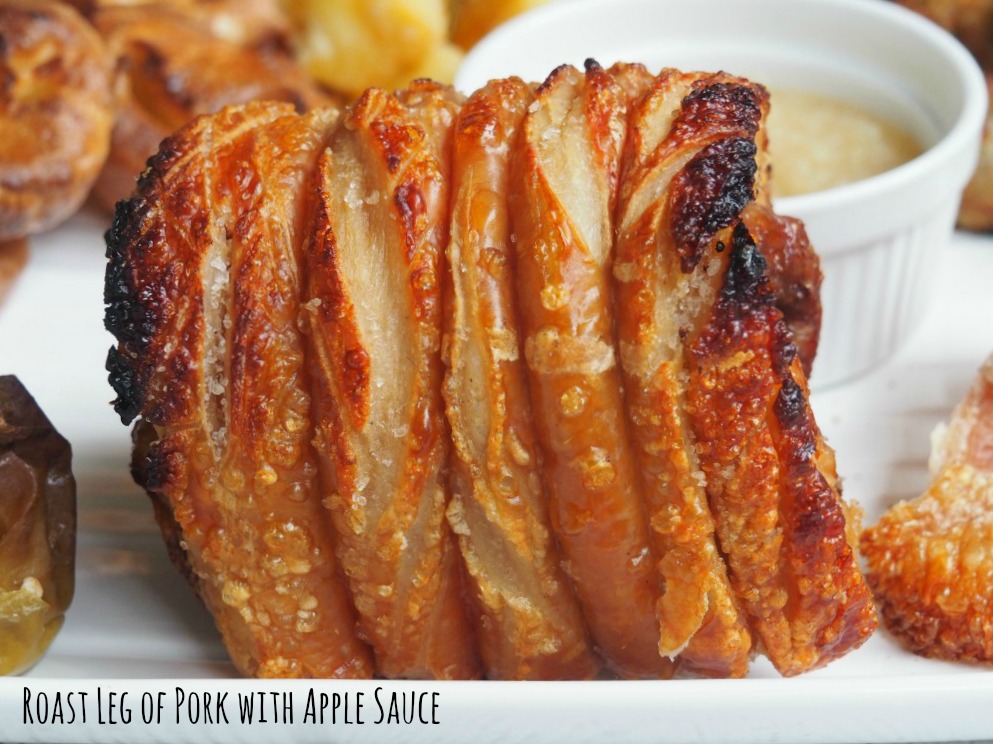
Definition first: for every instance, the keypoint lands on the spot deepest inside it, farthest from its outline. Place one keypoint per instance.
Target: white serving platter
(134, 625)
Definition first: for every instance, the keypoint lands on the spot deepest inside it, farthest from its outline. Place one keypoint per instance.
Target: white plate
(133, 617)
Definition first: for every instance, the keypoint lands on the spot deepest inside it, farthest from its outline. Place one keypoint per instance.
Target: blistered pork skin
(930, 560)
(376, 270)
(530, 625)
(563, 194)
(203, 291)
(663, 296)
(770, 476)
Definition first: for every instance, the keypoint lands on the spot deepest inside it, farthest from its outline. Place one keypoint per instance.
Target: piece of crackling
(793, 266)
(563, 193)
(771, 479)
(530, 626)
(658, 304)
(930, 560)
(375, 276)
(203, 292)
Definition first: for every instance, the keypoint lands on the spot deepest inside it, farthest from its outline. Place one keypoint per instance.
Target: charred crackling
(771, 479)
(745, 300)
(126, 317)
(608, 269)
(138, 310)
(687, 154)
(731, 107)
(203, 295)
(790, 405)
(794, 270)
(746, 286)
(709, 195)
(712, 189)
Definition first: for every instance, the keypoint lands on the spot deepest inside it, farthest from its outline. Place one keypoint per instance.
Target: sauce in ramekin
(817, 142)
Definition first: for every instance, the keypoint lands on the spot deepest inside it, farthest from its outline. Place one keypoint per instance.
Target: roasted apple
(37, 529)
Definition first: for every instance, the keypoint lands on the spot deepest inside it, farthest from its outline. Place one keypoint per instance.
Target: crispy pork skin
(530, 625)
(376, 270)
(770, 476)
(203, 293)
(562, 199)
(660, 304)
(930, 560)
(508, 386)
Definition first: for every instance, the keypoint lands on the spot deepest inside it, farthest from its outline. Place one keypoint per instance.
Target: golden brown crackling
(154, 307)
(794, 269)
(383, 187)
(929, 562)
(770, 479)
(530, 626)
(563, 196)
(55, 113)
(634, 79)
(660, 303)
(376, 269)
(930, 559)
(203, 292)
(793, 265)
(830, 608)
(161, 85)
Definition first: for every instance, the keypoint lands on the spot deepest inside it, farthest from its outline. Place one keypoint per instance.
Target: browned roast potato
(37, 529)
(55, 113)
(176, 61)
(227, 459)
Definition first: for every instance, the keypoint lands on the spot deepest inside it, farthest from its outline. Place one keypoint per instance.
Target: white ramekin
(880, 239)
